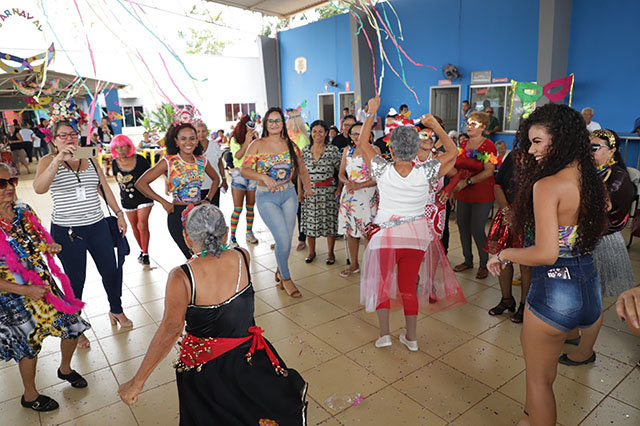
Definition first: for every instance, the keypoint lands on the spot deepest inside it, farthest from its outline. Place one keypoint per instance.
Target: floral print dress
(359, 208)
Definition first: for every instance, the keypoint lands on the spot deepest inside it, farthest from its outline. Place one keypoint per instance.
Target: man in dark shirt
(342, 140)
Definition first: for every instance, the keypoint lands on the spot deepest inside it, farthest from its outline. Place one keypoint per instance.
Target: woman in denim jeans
(77, 222)
(275, 162)
(561, 209)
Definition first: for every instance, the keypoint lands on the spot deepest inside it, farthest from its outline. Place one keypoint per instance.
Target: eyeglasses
(489, 112)
(594, 148)
(67, 135)
(276, 121)
(4, 182)
(473, 124)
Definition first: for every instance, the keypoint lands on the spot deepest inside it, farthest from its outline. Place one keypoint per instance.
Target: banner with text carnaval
(529, 93)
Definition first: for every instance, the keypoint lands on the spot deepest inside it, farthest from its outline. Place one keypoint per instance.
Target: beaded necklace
(26, 242)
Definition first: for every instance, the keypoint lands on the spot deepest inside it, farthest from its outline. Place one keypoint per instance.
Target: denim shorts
(240, 182)
(566, 295)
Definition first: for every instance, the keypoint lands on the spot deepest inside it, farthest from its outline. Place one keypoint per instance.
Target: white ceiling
(282, 8)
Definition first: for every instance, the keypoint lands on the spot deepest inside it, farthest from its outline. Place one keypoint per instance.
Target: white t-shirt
(26, 134)
(403, 196)
(593, 125)
(212, 154)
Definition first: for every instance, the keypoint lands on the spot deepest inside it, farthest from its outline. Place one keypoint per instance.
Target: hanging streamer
(93, 61)
(176, 86)
(156, 82)
(159, 39)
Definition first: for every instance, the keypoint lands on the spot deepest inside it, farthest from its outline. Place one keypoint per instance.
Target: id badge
(559, 273)
(81, 193)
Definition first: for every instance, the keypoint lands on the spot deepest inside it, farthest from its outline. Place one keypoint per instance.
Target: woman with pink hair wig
(127, 169)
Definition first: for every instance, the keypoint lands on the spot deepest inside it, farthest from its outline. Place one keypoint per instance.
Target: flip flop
(348, 272)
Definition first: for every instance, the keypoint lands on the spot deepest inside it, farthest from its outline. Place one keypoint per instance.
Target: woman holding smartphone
(77, 222)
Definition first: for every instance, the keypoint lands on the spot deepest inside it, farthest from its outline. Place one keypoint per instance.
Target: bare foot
(83, 342)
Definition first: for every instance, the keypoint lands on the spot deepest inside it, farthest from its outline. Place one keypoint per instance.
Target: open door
(326, 108)
(445, 103)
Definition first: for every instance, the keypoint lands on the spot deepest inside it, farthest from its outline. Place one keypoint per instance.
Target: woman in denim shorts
(242, 188)
(560, 207)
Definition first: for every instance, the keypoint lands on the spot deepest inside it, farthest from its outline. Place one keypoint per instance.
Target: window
(131, 116)
(231, 110)
(499, 97)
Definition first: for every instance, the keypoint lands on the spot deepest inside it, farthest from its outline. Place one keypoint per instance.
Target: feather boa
(69, 304)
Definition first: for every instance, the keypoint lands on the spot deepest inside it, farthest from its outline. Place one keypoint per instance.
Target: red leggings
(408, 262)
(139, 220)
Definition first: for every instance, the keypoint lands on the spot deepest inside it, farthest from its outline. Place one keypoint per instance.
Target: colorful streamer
(159, 39)
(176, 86)
(86, 35)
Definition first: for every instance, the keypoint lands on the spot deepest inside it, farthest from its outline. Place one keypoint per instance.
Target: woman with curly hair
(185, 168)
(561, 208)
(610, 256)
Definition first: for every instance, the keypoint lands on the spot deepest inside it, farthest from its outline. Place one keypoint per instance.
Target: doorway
(346, 100)
(445, 103)
(326, 108)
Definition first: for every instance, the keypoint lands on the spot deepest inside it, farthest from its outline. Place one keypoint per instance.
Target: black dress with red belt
(228, 374)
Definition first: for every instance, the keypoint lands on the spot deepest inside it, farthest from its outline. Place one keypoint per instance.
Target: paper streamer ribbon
(159, 39)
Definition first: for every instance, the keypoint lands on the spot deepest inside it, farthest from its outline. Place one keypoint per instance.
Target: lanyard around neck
(75, 172)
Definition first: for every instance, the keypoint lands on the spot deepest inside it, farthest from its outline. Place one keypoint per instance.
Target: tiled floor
(469, 369)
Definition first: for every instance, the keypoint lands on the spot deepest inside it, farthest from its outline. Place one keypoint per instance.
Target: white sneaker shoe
(251, 239)
(383, 341)
(412, 345)
(233, 244)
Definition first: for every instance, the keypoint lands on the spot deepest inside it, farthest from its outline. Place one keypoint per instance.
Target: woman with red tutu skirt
(501, 237)
(395, 255)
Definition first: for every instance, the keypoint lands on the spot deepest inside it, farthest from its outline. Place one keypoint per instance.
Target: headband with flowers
(186, 115)
(61, 109)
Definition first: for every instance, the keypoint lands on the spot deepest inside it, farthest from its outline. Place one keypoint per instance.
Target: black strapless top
(231, 318)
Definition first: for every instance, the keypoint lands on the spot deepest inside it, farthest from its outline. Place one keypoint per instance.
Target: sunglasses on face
(4, 182)
(473, 124)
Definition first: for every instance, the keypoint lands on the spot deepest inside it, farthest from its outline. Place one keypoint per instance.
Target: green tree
(327, 11)
(204, 41)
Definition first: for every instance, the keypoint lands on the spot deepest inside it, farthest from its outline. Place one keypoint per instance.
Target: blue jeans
(96, 239)
(279, 211)
(566, 294)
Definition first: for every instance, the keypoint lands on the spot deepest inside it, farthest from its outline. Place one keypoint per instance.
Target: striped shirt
(76, 203)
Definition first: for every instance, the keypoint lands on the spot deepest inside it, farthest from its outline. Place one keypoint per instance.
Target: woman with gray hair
(240, 386)
(401, 235)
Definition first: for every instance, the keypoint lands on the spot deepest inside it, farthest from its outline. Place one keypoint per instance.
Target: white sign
(301, 65)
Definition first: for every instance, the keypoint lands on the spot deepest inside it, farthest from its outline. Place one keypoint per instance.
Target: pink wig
(122, 140)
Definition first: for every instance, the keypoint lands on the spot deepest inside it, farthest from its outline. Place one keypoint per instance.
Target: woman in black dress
(227, 373)
(127, 168)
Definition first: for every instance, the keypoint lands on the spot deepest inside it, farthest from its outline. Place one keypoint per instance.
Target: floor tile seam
(327, 343)
(611, 358)
(416, 401)
(337, 355)
(478, 380)
(452, 422)
(506, 350)
(624, 330)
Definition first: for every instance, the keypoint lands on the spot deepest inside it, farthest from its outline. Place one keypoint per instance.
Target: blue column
(96, 112)
(113, 104)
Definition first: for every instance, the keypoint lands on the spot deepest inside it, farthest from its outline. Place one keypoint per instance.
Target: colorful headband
(187, 115)
(61, 109)
(185, 213)
(605, 134)
(404, 122)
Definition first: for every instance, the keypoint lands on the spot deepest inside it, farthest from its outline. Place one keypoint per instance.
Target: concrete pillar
(270, 59)
(554, 27)
(361, 60)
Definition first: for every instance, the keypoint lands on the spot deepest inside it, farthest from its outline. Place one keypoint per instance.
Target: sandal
(301, 246)
(75, 379)
(295, 293)
(330, 261)
(348, 272)
(519, 315)
(278, 277)
(504, 306)
(42, 403)
(310, 258)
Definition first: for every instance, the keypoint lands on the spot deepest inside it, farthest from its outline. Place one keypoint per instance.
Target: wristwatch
(469, 182)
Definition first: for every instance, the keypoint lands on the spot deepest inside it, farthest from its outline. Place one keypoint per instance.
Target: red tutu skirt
(500, 236)
(437, 287)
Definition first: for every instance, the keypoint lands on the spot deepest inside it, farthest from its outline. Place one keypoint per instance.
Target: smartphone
(86, 152)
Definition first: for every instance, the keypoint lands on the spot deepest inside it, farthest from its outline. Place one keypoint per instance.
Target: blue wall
(327, 46)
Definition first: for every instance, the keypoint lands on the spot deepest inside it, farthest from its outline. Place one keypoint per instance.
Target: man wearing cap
(636, 126)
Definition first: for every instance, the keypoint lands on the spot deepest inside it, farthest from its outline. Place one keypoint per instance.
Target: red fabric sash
(197, 351)
(326, 182)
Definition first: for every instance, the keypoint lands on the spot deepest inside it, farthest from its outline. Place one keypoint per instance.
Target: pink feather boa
(69, 304)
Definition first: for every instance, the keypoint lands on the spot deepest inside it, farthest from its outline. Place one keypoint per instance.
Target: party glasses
(425, 134)
(67, 135)
(473, 124)
(4, 182)
(594, 147)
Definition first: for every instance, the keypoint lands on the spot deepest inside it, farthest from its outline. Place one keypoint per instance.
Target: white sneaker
(234, 244)
(412, 345)
(251, 239)
(383, 341)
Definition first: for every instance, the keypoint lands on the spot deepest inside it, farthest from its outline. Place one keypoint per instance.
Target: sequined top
(276, 165)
